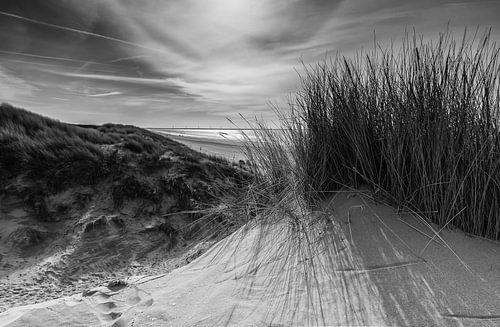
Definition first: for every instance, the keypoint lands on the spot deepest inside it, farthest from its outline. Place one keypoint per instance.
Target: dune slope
(374, 272)
(84, 205)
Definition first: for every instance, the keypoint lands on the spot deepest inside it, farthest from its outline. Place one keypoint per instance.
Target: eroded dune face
(46, 260)
(88, 235)
(359, 264)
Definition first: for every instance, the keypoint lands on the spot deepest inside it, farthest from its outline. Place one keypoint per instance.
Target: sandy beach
(387, 272)
(227, 143)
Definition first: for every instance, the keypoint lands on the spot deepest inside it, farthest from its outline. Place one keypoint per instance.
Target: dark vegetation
(418, 123)
(65, 154)
(121, 197)
(41, 156)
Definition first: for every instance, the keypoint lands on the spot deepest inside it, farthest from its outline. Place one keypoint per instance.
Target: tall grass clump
(419, 123)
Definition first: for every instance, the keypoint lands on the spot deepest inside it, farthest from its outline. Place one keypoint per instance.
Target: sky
(195, 63)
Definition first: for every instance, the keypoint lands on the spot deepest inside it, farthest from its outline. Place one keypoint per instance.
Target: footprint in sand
(115, 305)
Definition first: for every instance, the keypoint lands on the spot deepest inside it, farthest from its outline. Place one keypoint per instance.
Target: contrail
(30, 62)
(104, 94)
(117, 78)
(49, 57)
(74, 30)
(84, 66)
(128, 58)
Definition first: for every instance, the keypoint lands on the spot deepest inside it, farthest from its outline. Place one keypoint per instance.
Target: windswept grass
(418, 123)
(64, 154)
(40, 157)
(43, 148)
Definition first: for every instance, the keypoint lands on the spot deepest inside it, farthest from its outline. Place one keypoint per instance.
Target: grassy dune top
(40, 147)
(41, 157)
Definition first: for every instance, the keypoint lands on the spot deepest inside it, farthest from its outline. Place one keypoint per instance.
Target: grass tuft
(418, 123)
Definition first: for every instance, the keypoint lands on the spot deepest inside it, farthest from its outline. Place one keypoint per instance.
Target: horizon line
(210, 128)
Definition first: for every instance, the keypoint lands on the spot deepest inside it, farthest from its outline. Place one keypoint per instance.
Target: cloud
(114, 78)
(74, 30)
(128, 58)
(13, 88)
(104, 94)
(132, 85)
(23, 54)
(184, 60)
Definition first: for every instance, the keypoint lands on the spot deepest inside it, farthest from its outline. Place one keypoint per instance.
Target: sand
(71, 261)
(366, 267)
(86, 240)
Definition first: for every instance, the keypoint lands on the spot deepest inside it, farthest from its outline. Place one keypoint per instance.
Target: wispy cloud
(104, 94)
(128, 58)
(13, 88)
(148, 62)
(23, 54)
(74, 30)
(115, 78)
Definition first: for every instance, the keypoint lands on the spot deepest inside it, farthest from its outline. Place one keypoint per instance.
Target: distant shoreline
(210, 128)
(212, 143)
(185, 128)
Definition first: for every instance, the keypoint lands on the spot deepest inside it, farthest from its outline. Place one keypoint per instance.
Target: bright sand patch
(363, 265)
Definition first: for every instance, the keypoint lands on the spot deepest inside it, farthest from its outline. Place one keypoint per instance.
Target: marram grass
(418, 123)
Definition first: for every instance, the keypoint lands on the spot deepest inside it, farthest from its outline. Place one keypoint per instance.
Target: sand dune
(368, 266)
